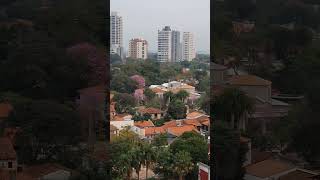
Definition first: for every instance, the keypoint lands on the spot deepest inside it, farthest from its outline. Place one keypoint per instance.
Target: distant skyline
(143, 18)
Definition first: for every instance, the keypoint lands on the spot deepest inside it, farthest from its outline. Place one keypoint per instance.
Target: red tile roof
(150, 110)
(168, 124)
(154, 130)
(120, 117)
(193, 122)
(268, 168)
(144, 124)
(194, 114)
(248, 80)
(157, 90)
(178, 131)
(5, 109)
(7, 151)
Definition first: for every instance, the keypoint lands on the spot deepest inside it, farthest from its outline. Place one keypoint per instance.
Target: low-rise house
(268, 169)
(8, 156)
(144, 124)
(300, 174)
(5, 110)
(154, 112)
(48, 171)
(151, 132)
(114, 131)
(266, 109)
(122, 121)
(204, 171)
(158, 91)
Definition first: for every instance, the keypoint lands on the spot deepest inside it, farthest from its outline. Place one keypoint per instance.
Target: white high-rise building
(138, 48)
(164, 44)
(169, 45)
(116, 34)
(188, 47)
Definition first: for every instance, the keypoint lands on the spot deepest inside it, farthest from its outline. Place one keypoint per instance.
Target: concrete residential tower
(138, 48)
(116, 34)
(169, 45)
(164, 44)
(188, 47)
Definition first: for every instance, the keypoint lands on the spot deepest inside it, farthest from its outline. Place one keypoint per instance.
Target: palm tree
(182, 164)
(182, 95)
(149, 156)
(232, 105)
(167, 96)
(137, 160)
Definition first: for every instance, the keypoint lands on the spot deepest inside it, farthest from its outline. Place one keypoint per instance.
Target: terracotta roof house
(154, 112)
(300, 174)
(153, 131)
(194, 114)
(144, 124)
(8, 155)
(178, 131)
(267, 169)
(122, 121)
(45, 171)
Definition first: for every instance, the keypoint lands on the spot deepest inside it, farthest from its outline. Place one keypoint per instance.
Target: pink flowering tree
(140, 80)
(96, 59)
(139, 95)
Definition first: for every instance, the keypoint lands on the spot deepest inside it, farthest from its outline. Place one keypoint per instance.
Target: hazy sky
(143, 18)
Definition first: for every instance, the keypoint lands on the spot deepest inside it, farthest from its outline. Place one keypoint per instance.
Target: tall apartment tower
(169, 45)
(176, 49)
(188, 47)
(164, 44)
(138, 48)
(116, 34)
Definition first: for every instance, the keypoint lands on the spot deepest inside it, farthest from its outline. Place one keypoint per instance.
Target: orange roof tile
(168, 124)
(157, 90)
(194, 114)
(193, 122)
(120, 117)
(144, 124)
(7, 151)
(5, 109)
(248, 80)
(154, 130)
(150, 110)
(268, 168)
(206, 123)
(178, 131)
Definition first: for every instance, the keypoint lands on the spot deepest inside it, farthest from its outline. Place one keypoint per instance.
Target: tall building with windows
(164, 44)
(116, 34)
(169, 45)
(138, 48)
(176, 47)
(188, 47)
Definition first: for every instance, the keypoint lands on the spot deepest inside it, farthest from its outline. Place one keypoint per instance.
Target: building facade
(138, 49)
(176, 49)
(188, 47)
(165, 45)
(169, 45)
(116, 34)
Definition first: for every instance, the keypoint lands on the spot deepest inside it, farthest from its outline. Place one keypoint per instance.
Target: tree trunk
(138, 173)
(180, 177)
(147, 167)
